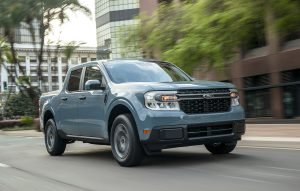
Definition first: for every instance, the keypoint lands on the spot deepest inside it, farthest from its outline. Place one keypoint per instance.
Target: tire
(54, 144)
(221, 148)
(125, 144)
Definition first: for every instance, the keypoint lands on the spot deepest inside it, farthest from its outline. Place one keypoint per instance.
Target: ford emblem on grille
(207, 96)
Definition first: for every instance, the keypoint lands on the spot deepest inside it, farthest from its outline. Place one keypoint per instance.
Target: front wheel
(125, 144)
(54, 144)
(221, 148)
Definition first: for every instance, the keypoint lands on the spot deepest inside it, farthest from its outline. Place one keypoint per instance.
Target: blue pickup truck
(140, 107)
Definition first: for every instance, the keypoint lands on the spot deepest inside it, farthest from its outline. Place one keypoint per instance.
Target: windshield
(139, 71)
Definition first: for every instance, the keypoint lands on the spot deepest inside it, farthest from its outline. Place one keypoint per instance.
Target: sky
(80, 27)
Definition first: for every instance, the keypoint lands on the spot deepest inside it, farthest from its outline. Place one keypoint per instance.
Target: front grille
(195, 131)
(204, 101)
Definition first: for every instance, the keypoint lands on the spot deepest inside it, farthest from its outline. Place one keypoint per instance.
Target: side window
(74, 80)
(93, 73)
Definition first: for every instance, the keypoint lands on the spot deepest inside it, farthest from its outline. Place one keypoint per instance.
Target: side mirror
(93, 85)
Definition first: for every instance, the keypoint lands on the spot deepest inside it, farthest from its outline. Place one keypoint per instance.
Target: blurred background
(253, 44)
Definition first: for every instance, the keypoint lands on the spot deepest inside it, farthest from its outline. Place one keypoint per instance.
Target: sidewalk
(273, 130)
(272, 136)
(273, 133)
(26, 133)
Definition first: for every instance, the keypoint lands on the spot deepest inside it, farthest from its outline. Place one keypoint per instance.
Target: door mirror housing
(93, 85)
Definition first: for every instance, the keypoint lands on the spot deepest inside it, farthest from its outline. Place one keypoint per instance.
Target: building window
(291, 93)
(83, 60)
(44, 78)
(33, 78)
(23, 68)
(54, 60)
(93, 59)
(33, 59)
(21, 58)
(64, 60)
(257, 81)
(257, 96)
(290, 76)
(54, 69)
(74, 60)
(33, 69)
(258, 103)
(45, 88)
(55, 88)
(44, 69)
(54, 79)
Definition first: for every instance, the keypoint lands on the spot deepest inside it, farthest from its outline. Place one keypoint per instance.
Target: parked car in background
(140, 107)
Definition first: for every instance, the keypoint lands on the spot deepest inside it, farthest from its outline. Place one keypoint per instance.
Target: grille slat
(193, 101)
(195, 131)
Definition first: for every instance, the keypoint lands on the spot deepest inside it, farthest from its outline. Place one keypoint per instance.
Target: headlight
(161, 100)
(234, 97)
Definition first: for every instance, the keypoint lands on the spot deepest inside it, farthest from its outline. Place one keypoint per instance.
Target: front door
(91, 103)
(67, 113)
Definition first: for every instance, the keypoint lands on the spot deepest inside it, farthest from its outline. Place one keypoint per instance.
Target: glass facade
(111, 17)
(23, 35)
(291, 93)
(257, 97)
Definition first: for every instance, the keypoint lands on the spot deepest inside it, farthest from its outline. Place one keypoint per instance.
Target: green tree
(19, 105)
(69, 49)
(42, 13)
(213, 32)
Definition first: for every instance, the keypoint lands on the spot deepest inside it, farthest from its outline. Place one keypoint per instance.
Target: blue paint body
(89, 117)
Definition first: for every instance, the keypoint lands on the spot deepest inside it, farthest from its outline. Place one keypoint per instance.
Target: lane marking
(274, 148)
(280, 168)
(272, 139)
(4, 165)
(246, 179)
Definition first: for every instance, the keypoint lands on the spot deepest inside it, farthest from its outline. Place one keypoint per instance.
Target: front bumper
(164, 137)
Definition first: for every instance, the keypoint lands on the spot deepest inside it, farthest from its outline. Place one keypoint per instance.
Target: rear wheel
(54, 144)
(126, 147)
(221, 148)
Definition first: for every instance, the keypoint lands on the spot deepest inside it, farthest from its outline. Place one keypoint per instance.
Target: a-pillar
(49, 74)
(59, 68)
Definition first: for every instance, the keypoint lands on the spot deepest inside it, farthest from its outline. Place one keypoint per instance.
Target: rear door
(91, 105)
(67, 112)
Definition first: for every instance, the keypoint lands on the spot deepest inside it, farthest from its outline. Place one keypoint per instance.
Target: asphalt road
(26, 166)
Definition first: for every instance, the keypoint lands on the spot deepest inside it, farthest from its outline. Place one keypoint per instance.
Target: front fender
(124, 102)
(46, 107)
(135, 107)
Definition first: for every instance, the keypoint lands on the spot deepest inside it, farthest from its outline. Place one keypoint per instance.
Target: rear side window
(74, 80)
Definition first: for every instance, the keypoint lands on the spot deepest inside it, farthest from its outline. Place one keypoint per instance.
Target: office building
(112, 17)
(54, 64)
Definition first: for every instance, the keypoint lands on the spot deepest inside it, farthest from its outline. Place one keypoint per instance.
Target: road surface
(26, 166)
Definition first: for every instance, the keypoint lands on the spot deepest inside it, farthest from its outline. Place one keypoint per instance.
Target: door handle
(82, 98)
(64, 98)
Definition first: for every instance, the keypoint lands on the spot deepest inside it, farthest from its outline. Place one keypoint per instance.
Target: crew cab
(140, 107)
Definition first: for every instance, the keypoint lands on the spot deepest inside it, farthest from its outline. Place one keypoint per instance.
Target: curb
(272, 139)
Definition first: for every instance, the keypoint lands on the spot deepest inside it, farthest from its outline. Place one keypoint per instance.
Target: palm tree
(34, 12)
(69, 50)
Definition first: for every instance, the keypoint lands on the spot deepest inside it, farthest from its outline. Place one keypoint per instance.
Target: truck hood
(171, 86)
(52, 93)
(191, 85)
